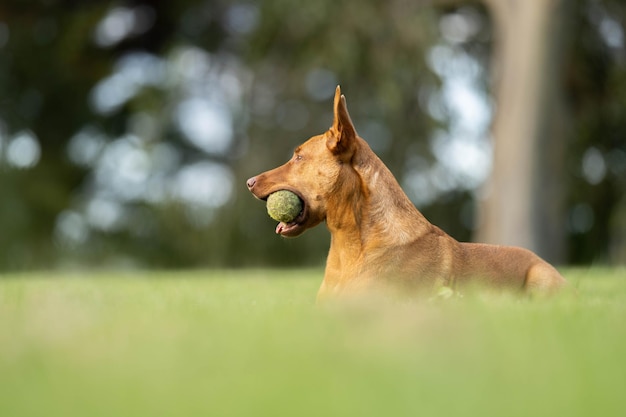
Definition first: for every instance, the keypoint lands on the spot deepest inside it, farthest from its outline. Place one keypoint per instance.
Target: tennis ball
(283, 206)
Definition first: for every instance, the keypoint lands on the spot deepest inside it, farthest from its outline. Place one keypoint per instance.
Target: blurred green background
(128, 129)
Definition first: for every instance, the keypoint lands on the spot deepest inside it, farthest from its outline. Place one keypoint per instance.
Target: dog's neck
(379, 213)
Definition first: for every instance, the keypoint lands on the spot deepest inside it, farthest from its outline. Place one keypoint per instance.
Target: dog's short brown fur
(378, 238)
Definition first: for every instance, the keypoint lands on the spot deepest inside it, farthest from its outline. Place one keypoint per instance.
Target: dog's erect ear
(342, 133)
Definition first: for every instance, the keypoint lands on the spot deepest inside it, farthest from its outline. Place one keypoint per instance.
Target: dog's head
(314, 172)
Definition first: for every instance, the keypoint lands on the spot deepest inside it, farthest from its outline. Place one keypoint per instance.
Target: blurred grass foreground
(252, 343)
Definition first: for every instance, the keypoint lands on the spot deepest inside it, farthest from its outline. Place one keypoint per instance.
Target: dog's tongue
(284, 228)
(280, 228)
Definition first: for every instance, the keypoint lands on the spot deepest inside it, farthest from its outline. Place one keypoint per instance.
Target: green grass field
(252, 343)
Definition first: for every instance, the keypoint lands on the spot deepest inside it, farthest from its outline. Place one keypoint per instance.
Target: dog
(379, 240)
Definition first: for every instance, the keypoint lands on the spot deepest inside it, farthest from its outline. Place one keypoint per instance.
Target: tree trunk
(521, 204)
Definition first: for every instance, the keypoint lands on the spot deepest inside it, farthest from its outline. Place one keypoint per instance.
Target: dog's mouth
(296, 226)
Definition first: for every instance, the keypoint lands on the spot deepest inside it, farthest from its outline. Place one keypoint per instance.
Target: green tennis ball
(283, 206)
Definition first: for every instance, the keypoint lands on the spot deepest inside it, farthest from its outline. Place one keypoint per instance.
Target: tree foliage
(127, 130)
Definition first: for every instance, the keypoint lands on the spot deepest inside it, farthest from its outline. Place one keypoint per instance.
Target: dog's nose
(250, 183)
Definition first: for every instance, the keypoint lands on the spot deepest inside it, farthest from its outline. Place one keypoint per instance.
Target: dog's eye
(298, 157)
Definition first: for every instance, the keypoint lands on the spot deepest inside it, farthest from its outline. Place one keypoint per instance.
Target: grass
(252, 343)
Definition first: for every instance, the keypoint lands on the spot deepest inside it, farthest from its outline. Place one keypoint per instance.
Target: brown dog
(378, 238)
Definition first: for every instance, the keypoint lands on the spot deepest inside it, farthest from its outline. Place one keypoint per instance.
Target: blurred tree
(595, 75)
(522, 203)
(540, 48)
(46, 72)
(127, 129)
